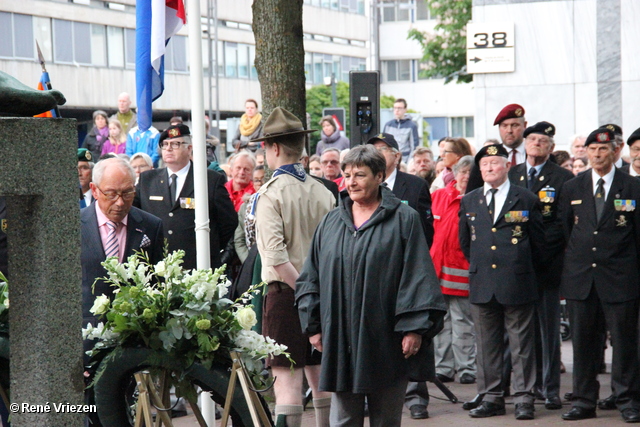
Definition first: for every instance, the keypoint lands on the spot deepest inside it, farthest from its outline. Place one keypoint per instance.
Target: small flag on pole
(45, 84)
(156, 22)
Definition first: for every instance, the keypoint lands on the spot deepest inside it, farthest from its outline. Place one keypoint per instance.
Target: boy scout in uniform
(288, 209)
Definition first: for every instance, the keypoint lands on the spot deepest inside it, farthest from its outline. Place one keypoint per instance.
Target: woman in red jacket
(455, 345)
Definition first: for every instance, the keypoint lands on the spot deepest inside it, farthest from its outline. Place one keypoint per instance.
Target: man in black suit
(501, 235)
(112, 227)
(408, 188)
(546, 179)
(600, 276)
(168, 194)
(415, 192)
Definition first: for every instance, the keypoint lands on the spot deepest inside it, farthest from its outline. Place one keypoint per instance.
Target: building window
(396, 71)
(422, 10)
(115, 43)
(42, 34)
(175, 56)
(130, 47)
(98, 45)
(461, 127)
(16, 36)
(396, 10)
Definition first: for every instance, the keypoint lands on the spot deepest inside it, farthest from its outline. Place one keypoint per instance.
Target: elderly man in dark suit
(545, 179)
(415, 192)
(600, 278)
(112, 227)
(501, 235)
(168, 193)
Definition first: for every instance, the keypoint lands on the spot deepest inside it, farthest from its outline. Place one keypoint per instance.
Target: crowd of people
(387, 266)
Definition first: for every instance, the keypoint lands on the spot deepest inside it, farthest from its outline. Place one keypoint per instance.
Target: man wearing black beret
(633, 142)
(617, 132)
(501, 235)
(600, 277)
(168, 193)
(545, 179)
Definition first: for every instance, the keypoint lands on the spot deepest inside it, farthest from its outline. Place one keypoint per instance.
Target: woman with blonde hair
(116, 143)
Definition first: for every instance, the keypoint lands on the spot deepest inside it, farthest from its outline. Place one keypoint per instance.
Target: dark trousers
(491, 321)
(622, 322)
(548, 342)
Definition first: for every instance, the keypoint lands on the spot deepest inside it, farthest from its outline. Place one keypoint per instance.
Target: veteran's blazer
(502, 254)
(548, 187)
(604, 254)
(178, 218)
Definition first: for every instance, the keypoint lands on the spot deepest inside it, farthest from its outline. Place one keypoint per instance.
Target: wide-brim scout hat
(281, 123)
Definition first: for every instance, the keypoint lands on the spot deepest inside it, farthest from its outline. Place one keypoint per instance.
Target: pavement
(443, 413)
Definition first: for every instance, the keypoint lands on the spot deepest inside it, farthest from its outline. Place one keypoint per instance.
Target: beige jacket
(287, 214)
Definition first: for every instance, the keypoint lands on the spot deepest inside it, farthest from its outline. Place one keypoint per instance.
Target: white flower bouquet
(180, 313)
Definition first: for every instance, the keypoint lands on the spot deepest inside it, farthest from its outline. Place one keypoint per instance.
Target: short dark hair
(252, 100)
(561, 156)
(292, 144)
(404, 101)
(366, 155)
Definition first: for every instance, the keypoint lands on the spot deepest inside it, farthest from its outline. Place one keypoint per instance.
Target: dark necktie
(514, 160)
(492, 202)
(532, 178)
(599, 199)
(173, 188)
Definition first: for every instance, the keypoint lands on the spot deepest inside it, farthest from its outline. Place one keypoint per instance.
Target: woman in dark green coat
(368, 297)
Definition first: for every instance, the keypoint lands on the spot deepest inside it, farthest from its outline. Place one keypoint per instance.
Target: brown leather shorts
(280, 321)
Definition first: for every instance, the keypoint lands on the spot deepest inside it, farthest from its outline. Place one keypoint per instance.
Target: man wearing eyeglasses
(112, 227)
(168, 193)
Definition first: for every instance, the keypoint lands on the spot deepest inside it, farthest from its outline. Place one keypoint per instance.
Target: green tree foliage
(319, 97)
(445, 51)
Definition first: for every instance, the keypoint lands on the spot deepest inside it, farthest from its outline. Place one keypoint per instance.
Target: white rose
(100, 305)
(246, 317)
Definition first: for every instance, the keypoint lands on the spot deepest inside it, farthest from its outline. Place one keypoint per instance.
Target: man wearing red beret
(511, 124)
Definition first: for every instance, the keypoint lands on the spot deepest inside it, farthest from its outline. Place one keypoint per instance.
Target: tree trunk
(277, 27)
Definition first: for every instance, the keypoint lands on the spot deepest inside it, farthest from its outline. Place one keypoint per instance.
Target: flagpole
(203, 260)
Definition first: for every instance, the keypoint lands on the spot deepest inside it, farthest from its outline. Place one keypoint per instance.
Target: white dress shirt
(182, 177)
(521, 155)
(500, 197)
(391, 179)
(608, 180)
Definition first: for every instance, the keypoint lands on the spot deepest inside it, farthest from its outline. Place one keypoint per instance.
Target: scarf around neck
(331, 138)
(248, 126)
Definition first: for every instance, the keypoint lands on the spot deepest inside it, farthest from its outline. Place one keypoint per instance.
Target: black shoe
(553, 402)
(419, 412)
(473, 403)
(608, 404)
(524, 411)
(487, 409)
(444, 378)
(568, 395)
(630, 415)
(467, 379)
(579, 413)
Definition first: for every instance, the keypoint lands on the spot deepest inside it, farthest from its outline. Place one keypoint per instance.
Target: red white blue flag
(156, 22)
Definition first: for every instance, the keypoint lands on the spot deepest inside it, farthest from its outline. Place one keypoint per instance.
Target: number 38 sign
(490, 47)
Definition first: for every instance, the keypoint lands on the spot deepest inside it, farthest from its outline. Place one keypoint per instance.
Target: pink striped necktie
(112, 248)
